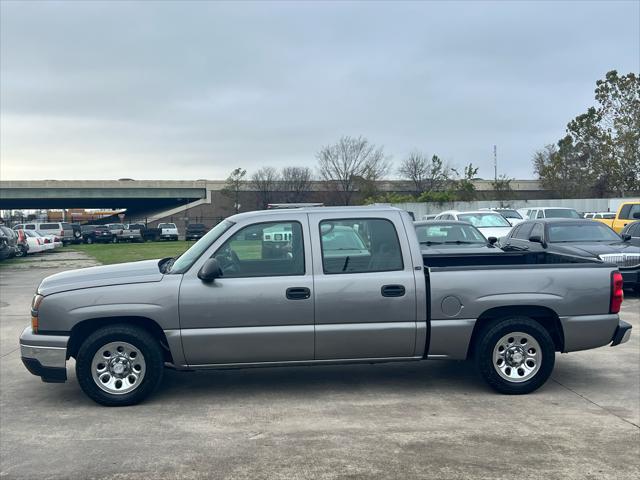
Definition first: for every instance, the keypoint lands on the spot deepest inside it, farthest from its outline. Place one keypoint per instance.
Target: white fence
(580, 204)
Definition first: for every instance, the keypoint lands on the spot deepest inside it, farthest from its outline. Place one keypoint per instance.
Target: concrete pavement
(418, 420)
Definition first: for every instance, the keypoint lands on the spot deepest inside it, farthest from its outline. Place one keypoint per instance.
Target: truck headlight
(35, 306)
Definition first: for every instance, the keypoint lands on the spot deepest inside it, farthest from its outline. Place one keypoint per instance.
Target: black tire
(21, 251)
(88, 240)
(488, 340)
(142, 340)
(114, 239)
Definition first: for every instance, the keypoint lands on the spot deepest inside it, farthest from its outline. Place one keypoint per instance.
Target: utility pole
(495, 163)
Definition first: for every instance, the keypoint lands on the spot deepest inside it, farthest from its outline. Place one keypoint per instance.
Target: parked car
(491, 224)
(605, 215)
(581, 237)
(22, 245)
(430, 216)
(147, 233)
(62, 230)
(631, 233)
(168, 231)
(512, 215)
(627, 213)
(439, 237)
(221, 304)
(96, 234)
(195, 231)
(8, 243)
(35, 242)
(552, 212)
(121, 233)
(54, 240)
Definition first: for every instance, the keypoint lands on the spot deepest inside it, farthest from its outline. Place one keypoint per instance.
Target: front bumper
(622, 333)
(45, 355)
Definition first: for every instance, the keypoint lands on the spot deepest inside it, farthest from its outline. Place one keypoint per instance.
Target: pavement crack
(596, 404)
(9, 353)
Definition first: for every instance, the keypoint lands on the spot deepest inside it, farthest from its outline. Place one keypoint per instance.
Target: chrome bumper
(44, 355)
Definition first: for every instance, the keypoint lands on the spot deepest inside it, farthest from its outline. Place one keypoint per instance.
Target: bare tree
(415, 168)
(233, 186)
(265, 181)
(345, 164)
(296, 182)
(426, 174)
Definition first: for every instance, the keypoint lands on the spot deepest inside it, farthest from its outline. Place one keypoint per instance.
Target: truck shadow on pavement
(389, 378)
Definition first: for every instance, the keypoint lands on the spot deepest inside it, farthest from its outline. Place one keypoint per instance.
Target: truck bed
(509, 259)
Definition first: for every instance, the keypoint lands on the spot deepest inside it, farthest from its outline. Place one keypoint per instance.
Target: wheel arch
(83, 329)
(545, 316)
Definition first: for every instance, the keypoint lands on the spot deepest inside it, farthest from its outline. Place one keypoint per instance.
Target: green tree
(464, 184)
(233, 186)
(600, 153)
(502, 188)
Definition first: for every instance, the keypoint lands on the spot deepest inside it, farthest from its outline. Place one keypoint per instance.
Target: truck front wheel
(515, 355)
(119, 365)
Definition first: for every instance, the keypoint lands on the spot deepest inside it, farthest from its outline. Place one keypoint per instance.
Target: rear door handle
(298, 293)
(392, 290)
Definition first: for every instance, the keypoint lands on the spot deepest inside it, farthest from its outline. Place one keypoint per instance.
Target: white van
(63, 230)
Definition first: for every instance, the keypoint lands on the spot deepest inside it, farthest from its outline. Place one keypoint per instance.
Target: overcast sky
(189, 90)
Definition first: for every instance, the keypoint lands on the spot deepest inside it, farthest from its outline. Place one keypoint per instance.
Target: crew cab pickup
(122, 233)
(350, 285)
(627, 213)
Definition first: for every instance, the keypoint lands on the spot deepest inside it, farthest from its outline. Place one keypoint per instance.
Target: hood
(121, 274)
(453, 249)
(593, 249)
(494, 231)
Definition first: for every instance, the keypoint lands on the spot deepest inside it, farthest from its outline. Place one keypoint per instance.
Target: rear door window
(359, 245)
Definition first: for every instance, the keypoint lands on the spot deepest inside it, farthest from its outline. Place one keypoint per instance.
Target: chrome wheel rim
(517, 357)
(118, 368)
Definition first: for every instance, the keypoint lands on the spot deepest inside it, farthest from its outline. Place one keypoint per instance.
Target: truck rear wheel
(515, 355)
(119, 365)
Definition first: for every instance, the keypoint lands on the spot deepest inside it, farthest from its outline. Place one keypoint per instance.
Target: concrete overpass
(156, 200)
(130, 194)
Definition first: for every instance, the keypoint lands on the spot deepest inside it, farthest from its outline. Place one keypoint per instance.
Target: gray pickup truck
(347, 285)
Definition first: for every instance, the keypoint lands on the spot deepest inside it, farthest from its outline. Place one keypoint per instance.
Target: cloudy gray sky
(188, 90)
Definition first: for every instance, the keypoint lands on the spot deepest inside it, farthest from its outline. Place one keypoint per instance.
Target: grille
(623, 260)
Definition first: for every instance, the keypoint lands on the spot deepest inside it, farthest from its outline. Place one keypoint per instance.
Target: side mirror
(492, 240)
(210, 271)
(537, 239)
(626, 237)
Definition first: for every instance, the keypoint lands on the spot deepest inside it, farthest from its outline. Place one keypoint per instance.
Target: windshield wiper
(430, 243)
(464, 242)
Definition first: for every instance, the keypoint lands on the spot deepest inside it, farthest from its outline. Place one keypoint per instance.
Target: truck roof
(368, 210)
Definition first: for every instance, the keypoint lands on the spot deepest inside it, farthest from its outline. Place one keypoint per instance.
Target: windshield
(454, 234)
(484, 219)
(561, 213)
(509, 214)
(582, 232)
(182, 263)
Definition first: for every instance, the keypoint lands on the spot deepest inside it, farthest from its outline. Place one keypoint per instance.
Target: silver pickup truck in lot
(348, 285)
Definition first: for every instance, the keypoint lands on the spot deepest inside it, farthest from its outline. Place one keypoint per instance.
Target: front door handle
(392, 290)
(298, 293)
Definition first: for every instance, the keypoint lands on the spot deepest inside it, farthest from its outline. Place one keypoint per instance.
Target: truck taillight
(617, 294)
